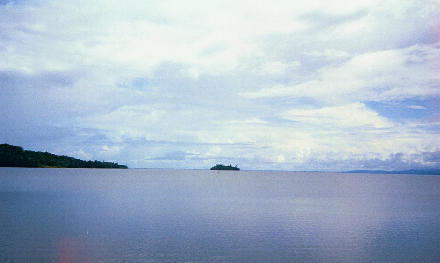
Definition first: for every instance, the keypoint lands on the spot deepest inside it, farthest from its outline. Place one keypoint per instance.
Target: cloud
(433, 158)
(351, 115)
(417, 107)
(213, 41)
(329, 53)
(267, 85)
(383, 75)
(321, 20)
(278, 68)
(402, 161)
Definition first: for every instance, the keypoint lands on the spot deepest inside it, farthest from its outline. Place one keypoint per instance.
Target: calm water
(87, 215)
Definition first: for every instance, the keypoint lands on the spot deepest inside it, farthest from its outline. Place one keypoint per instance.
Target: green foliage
(224, 167)
(15, 156)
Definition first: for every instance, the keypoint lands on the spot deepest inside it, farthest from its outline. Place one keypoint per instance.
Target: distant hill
(15, 156)
(412, 171)
(224, 167)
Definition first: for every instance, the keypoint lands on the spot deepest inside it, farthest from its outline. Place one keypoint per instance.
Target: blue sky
(290, 85)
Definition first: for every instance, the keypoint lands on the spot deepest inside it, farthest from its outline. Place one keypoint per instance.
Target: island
(224, 167)
(15, 156)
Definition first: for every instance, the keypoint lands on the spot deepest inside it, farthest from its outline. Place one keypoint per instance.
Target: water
(91, 215)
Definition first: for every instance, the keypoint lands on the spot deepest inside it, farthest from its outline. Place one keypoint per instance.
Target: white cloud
(329, 53)
(383, 75)
(351, 115)
(137, 35)
(110, 150)
(211, 38)
(417, 107)
(278, 68)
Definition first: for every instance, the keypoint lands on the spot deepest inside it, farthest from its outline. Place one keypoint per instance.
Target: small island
(15, 156)
(225, 167)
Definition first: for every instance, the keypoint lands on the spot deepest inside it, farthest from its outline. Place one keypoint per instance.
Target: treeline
(15, 156)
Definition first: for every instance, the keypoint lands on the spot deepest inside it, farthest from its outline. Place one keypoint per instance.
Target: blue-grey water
(136, 215)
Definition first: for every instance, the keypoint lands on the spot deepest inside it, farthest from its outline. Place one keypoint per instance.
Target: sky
(275, 85)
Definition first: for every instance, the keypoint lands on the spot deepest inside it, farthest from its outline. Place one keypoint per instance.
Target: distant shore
(15, 156)
(411, 171)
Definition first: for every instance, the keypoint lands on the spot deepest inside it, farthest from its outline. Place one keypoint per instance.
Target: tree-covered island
(225, 167)
(15, 156)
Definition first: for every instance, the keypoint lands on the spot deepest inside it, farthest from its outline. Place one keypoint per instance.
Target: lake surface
(137, 215)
